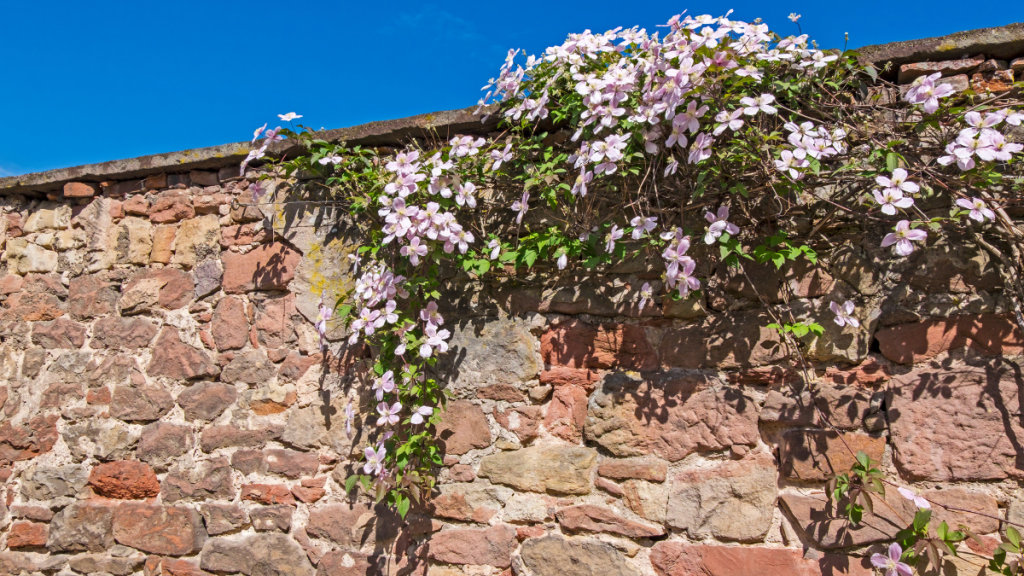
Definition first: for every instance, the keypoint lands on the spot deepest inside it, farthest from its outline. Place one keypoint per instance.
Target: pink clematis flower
(374, 461)
(891, 199)
(646, 293)
(580, 186)
(521, 207)
(719, 225)
(257, 132)
(844, 314)
(642, 225)
(289, 116)
(891, 562)
(760, 104)
(914, 497)
(414, 250)
(388, 414)
(501, 156)
(898, 182)
(384, 385)
(903, 238)
(435, 339)
(979, 209)
(562, 261)
(419, 413)
(609, 240)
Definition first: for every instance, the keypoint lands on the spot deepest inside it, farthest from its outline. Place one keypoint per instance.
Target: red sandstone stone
(990, 334)
(27, 307)
(25, 442)
(268, 267)
(633, 468)
(461, 473)
(136, 205)
(609, 486)
(267, 494)
(463, 427)
(79, 190)
(171, 206)
(870, 372)
(60, 333)
(308, 495)
(589, 518)
(241, 234)
(27, 535)
(774, 376)
(177, 287)
(565, 376)
(170, 530)
(524, 532)
(524, 422)
(505, 392)
(230, 327)
(579, 345)
(490, 547)
(998, 81)
(952, 423)
(820, 454)
(125, 480)
(349, 525)
(680, 559)
(567, 413)
(175, 359)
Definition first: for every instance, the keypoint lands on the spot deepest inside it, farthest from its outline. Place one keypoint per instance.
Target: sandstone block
(122, 333)
(36, 437)
(267, 518)
(27, 535)
(633, 468)
(206, 400)
(491, 547)
(90, 296)
(949, 423)
(163, 244)
(221, 518)
(81, 527)
(169, 530)
(140, 404)
(267, 494)
(730, 501)
(988, 334)
(557, 556)
(124, 480)
(633, 417)
(590, 518)
(463, 427)
(821, 454)
(681, 559)
(215, 437)
(352, 525)
(580, 345)
(60, 333)
(817, 520)
(161, 442)
(171, 206)
(268, 267)
(470, 502)
(175, 359)
(268, 554)
(230, 327)
(80, 190)
(134, 241)
(197, 239)
(559, 469)
(209, 480)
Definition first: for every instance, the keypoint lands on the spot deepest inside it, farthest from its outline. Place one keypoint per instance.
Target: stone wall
(165, 407)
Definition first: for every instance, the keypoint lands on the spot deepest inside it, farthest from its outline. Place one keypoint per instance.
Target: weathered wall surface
(165, 408)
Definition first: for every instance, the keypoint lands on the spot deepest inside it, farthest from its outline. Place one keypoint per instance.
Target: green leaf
(350, 483)
(403, 506)
(529, 257)
(892, 161)
(1013, 536)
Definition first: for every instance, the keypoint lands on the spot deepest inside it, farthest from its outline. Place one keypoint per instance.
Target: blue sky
(88, 82)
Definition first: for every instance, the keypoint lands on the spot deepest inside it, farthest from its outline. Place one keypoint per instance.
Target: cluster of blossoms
(981, 140)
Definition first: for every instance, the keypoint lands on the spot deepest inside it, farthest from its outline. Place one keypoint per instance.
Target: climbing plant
(629, 144)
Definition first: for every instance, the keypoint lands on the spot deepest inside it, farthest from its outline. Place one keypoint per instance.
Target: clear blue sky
(84, 82)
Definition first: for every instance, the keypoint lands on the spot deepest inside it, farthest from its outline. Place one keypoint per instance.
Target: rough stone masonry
(165, 408)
